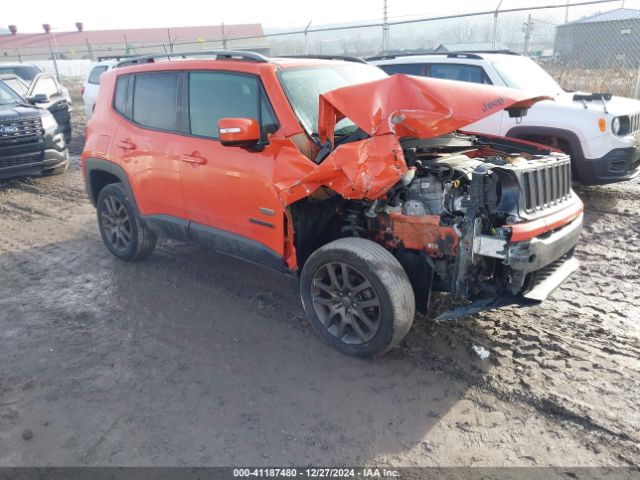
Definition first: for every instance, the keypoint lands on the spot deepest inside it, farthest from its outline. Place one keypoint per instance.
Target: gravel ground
(191, 358)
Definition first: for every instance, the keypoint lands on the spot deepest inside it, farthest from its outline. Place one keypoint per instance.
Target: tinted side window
(155, 100)
(94, 76)
(462, 73)
(120, 97)
(407, 69)
(215, 95)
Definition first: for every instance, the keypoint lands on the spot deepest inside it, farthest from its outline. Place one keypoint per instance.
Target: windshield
(25, 72)
(8, 96)
(17, 85)
(303, 86)
(525, 74)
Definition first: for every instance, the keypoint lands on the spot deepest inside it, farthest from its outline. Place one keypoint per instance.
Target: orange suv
(361, 184)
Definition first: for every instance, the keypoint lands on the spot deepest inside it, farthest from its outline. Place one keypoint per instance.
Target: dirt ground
(191, 358)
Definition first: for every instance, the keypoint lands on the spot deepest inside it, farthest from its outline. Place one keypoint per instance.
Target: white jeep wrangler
(600, 132)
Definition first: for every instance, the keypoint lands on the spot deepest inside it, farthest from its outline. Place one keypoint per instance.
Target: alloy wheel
(116, 223)
(346, 303)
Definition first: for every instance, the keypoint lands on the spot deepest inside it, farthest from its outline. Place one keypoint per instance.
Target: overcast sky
(113, 14)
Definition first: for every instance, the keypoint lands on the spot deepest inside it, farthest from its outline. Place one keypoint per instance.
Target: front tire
(357, 297)
(122, 231)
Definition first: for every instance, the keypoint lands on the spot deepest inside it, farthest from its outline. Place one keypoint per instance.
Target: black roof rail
(477, 53)
(344, 58)
(471, 54)
(219, 54)
(112, 57)
(389, 56)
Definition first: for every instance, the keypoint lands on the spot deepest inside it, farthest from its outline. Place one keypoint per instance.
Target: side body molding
(221, 241)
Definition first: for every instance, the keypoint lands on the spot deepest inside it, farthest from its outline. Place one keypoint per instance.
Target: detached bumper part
(484, 305)
(552, 277)
(538, 264)
(541, 251)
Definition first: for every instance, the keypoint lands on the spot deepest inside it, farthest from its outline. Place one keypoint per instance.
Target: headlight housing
(616, 125)
(621, 125)
(49, 123)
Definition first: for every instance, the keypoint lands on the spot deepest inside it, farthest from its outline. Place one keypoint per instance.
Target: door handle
(194, 157)
(126, 145)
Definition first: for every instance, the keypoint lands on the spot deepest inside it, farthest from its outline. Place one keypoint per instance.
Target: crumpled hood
(411, 106)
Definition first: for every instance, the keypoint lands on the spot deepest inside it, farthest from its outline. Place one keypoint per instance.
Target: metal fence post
(170, 42)
(636, 93)
(55, 61)
(306, 38)
(528, 27)
(19, 53)
(385, 28)
(89, 50)
(495, 26)
(224, 38)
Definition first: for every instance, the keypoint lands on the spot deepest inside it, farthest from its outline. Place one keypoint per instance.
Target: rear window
(94, 76)
(461, 73)
(25, 72)
(155, 100)
(417, 69)
(121, 95)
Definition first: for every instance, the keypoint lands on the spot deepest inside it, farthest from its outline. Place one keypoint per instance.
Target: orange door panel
(144, 144)
(152, 162)
(230, 188)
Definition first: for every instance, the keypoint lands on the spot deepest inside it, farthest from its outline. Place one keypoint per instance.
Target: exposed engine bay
(449, 219)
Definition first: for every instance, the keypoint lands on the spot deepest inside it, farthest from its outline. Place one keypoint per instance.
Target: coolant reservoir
(518, 161)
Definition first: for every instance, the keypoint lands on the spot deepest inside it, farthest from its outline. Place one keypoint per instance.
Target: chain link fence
(589, 45)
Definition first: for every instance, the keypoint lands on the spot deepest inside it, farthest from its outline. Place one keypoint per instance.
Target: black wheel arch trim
(567, 135)
(224, 242)
(101, 165)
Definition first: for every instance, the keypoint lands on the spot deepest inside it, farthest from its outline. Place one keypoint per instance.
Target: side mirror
(239, 132)
(39, 98)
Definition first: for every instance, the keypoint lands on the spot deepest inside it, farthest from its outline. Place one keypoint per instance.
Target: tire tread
(391, 275)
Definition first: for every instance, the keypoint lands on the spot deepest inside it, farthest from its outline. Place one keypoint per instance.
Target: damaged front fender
(366, 169)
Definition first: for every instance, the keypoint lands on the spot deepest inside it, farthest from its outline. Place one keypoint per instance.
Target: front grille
(19, 130)
(546, 186)
(6, 162)
(634, 124)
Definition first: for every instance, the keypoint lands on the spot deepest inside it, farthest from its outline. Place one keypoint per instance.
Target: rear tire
(122, 230)
(368, 314)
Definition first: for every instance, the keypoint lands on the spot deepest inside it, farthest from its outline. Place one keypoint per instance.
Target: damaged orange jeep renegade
(361, 184)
